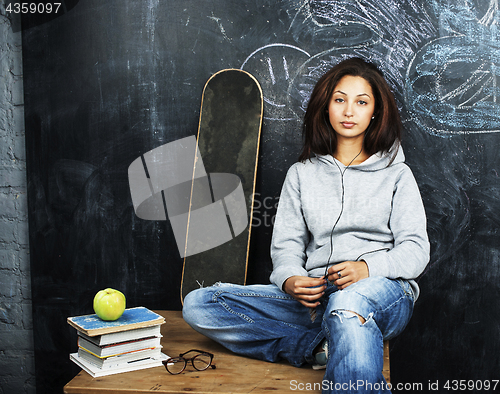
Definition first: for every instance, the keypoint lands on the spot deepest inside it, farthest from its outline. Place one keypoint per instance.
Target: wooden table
(234, 374)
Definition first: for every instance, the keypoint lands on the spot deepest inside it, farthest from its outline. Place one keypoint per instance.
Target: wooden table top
(234, 374)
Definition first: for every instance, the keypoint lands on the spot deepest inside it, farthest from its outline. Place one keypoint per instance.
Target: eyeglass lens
(175, 365)
(201, 361)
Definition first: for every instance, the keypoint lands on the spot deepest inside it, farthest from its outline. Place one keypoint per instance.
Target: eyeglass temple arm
(196, 350)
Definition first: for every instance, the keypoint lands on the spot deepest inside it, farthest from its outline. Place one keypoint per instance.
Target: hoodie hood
(375, 162)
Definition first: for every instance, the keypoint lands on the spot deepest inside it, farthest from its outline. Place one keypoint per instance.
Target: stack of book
(108, 347)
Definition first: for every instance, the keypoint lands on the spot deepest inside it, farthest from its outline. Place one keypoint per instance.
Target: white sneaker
(322, 356)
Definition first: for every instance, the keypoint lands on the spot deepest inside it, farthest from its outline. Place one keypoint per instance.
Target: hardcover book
(122, 336)
(95, 371)
(132, 318)
(116, 349)
(119, 361)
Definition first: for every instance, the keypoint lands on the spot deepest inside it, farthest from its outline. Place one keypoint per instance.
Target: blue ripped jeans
(263, 322)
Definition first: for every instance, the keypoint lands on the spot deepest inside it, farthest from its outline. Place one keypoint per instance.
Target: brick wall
(17, 369)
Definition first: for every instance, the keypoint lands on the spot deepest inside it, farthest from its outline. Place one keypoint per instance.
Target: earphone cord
(341, 208)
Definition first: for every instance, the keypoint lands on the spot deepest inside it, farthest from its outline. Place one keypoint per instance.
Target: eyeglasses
(200, 362)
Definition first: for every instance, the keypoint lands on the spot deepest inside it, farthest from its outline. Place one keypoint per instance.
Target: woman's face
(351, 108)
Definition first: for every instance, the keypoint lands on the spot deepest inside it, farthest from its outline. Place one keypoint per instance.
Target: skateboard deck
(228, 142)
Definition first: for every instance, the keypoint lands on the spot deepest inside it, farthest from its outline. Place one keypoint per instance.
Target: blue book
(132, 318)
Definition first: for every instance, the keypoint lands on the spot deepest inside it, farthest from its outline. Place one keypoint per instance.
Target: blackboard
(107, 81)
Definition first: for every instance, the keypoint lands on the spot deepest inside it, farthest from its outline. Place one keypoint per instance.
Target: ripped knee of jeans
(341, 314)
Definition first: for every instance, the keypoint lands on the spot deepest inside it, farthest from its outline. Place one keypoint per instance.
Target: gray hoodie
(382, 220)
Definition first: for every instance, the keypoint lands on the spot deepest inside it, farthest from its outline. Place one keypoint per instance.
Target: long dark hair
(384, 129)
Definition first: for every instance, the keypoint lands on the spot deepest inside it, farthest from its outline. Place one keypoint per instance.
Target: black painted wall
(107, 81)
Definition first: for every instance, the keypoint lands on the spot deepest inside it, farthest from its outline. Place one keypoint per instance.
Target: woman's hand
(346, 273)
(305, 290)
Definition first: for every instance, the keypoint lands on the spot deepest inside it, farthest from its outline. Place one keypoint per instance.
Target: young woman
(348, 241)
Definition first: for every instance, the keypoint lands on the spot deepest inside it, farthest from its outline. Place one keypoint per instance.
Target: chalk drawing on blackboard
(404, 26)
(451, 86)
(466, 16)
(325, 25)
(488, 19)
(274, 65)
(220, 26)
(325, 14)
(324, 29)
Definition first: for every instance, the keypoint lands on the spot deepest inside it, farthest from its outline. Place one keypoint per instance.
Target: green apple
(109, 304)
